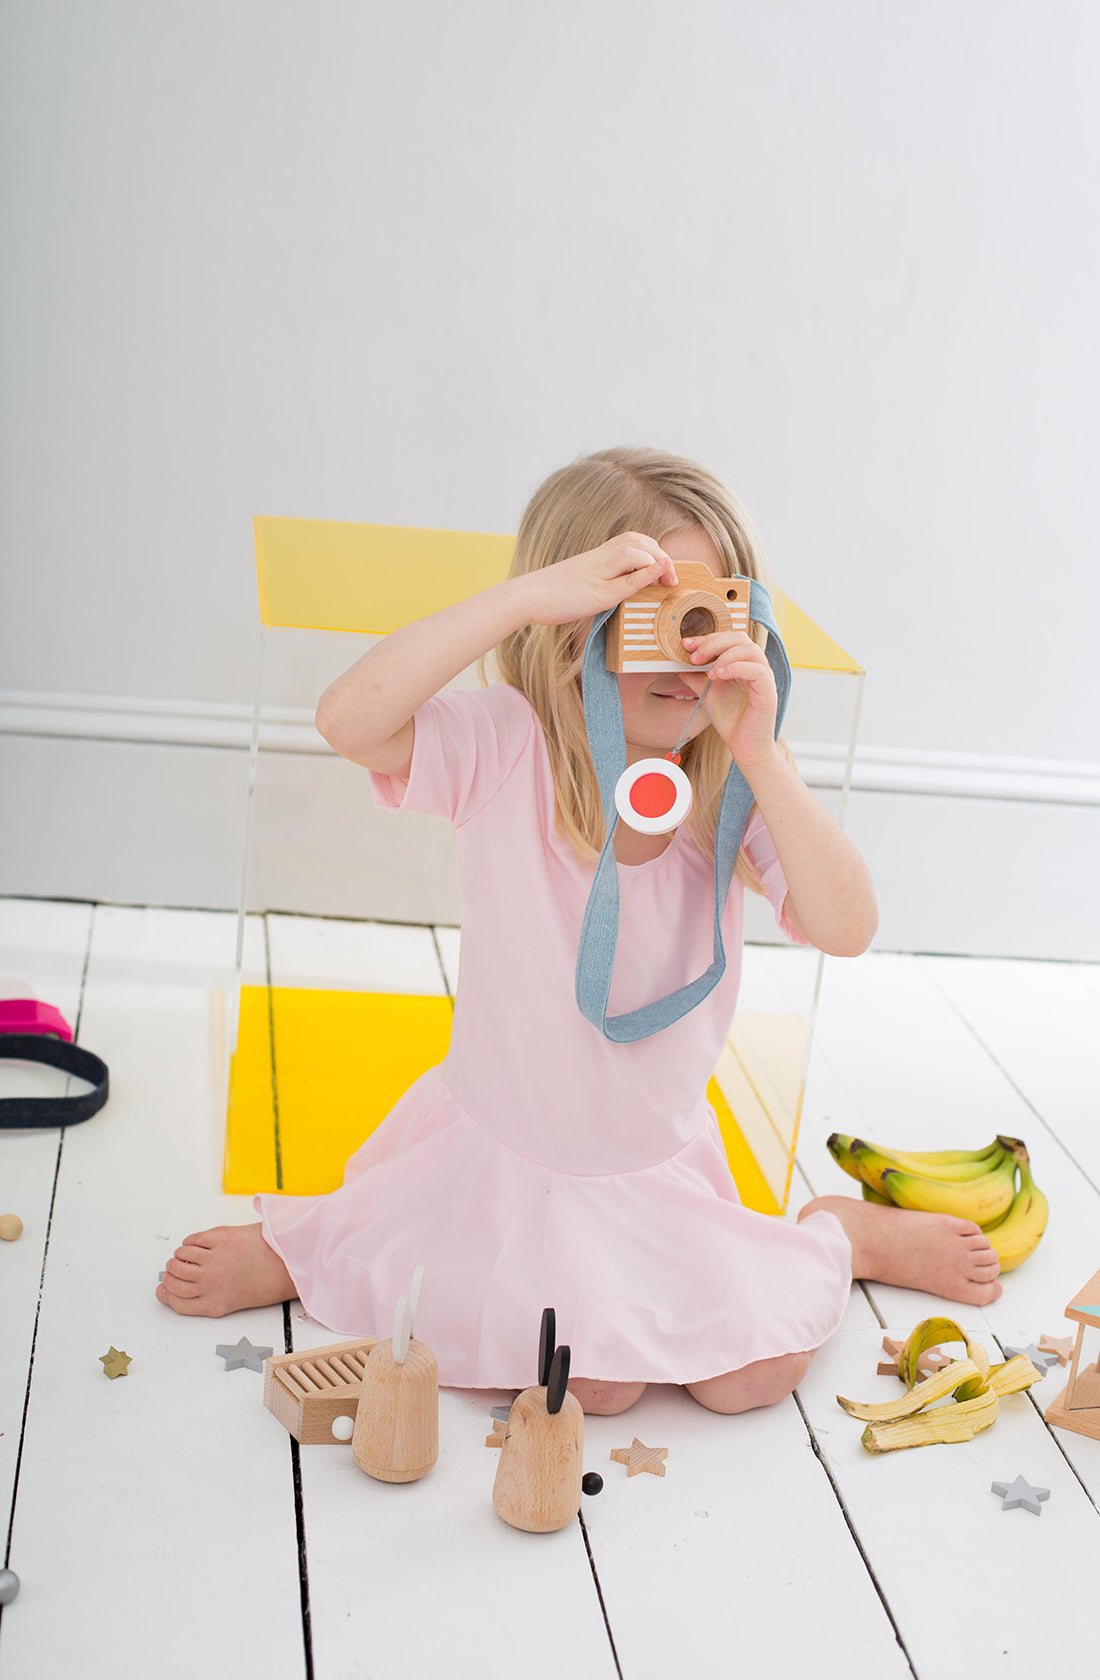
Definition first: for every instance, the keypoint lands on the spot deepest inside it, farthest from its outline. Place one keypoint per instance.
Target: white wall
(396, 264)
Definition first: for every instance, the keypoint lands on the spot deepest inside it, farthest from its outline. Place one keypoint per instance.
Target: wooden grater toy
(308, 1391)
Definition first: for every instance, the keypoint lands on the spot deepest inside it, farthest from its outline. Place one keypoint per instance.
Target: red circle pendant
(653, 794)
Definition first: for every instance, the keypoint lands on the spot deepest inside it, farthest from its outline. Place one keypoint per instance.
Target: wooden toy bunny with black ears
(538, 1480)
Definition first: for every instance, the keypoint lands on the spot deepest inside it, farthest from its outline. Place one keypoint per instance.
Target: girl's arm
(367, 714)
(829, 893)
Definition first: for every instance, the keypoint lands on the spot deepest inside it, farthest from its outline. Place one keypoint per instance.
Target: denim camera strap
(603, 716)
(70, 1058)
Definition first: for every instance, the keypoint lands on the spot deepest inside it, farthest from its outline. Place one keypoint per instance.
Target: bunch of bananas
(976, 1184)
(914, 1420)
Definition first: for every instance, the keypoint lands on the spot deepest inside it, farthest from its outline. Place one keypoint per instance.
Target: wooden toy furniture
(396, 1436)
(1078, 1405)
(308, 1391)
(313, 848)
(538, 1479)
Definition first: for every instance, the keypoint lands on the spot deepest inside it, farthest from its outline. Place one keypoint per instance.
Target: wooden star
(930, 1361)
(1060, 1346)
(893, 1349)
(500, 1429)
(115, 1364)
(637, 1457)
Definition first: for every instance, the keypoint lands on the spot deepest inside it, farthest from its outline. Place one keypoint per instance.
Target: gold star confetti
(115, 1364)
(638, 1457)
(1062, 1346)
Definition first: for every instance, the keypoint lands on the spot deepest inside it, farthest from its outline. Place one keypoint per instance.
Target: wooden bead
(11, 1226)
(396, 1435)
(538, 1480)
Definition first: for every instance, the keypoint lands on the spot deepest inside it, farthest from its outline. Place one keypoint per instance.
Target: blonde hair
(577, 509)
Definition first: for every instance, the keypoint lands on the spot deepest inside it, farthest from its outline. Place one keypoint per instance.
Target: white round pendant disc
(653, 795)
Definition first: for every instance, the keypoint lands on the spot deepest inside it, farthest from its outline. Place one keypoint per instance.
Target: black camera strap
(70, 1058)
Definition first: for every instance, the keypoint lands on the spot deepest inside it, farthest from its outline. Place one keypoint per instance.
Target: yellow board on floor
(315, 1072)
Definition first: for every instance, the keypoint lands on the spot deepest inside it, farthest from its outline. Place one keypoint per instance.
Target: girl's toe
(178, 1288)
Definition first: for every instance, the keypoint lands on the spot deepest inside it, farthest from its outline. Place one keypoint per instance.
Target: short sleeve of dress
(757, 842)
(466, 746)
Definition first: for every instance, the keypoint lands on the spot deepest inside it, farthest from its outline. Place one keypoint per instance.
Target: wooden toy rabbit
(538, 1480)
(396, 1437)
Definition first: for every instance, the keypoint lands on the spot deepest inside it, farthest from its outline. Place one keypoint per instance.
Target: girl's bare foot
(930, 1251)
(222, 1270)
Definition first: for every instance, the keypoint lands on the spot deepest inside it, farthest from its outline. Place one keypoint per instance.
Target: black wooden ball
(591, 1482)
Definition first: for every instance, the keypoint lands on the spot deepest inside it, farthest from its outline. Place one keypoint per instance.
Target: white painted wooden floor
(162, 1524)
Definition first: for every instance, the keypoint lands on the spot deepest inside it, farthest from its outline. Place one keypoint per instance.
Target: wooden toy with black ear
(396, 1437)
(538, 1480)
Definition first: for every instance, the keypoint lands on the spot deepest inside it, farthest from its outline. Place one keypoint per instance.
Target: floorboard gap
(820, 1456)
(274, 1070)
(599, 1595)
(45, 1253)
(1003, 1071)
(299, 1520)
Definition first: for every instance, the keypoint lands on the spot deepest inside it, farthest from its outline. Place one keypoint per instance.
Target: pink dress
(540, 1164)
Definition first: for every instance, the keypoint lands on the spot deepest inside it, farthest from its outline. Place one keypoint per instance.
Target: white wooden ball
(343, 1428)
(9, 1585)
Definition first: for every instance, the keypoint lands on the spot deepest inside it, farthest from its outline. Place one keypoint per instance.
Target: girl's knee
(605, 1399)
(761, 1384)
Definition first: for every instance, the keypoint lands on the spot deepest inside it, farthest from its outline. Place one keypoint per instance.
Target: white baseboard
(289, 729)
(137, 801)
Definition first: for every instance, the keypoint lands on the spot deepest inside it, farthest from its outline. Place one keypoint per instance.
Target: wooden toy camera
(538, 1479)
(644, 633)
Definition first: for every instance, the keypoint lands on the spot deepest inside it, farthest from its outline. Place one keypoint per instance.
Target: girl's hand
(589, 583)
(741, 700)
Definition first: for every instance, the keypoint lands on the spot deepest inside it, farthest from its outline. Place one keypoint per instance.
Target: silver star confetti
(1020, 1495)
(242, 1355)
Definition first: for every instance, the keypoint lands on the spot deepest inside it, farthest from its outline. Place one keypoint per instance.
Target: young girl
(540, 1163)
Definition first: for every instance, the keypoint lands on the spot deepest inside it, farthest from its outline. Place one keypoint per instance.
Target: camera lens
(697, 621)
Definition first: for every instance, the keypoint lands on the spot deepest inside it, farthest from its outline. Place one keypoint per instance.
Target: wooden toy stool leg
(1073, 1365)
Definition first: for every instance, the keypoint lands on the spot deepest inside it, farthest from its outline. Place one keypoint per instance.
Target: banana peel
(933, 1332)
(1014, 1375)
(943, 1382)
(915, 1420)
(960, 1421)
